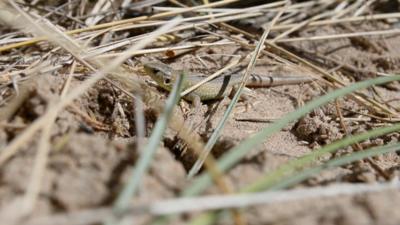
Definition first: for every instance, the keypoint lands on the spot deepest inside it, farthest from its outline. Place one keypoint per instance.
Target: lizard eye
(167, 81)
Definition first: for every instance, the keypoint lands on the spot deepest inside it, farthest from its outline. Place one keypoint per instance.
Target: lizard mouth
(150, 70)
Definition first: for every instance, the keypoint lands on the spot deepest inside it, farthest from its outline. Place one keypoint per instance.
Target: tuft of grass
(290, 169)
(287, 175)
(340, 161)
(238, 152)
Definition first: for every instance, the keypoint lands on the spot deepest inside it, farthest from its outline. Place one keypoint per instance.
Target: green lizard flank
(217, 88)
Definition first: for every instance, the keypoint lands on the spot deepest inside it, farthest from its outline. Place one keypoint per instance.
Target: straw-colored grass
(103, 47)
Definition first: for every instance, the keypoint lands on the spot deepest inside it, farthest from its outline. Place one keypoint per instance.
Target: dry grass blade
(11, 17)
(158, 50)
(185, 205)
(357, 146)
(82, 88)
(342, 20)
(78, 114)
(271, 197)
(336, 82)
(211, 77)
(38, 170)
(238, 152)
(39, 167)
(214, 137)
(335, 36)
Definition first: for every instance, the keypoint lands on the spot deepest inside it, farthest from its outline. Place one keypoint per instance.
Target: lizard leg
(191, 114)
(246, 98)
(196, 103)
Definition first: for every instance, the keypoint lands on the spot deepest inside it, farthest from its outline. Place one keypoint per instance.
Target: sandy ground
(90, 162)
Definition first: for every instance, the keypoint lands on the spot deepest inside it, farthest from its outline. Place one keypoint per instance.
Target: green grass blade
(299, 164)
(340, 161)
(217, 132)
(238, 152)
(149, 150)
(294, 178)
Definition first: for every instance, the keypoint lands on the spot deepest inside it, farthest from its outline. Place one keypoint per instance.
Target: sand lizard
(217, 88)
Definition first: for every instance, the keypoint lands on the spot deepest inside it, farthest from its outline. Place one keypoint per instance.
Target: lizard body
(217, 88)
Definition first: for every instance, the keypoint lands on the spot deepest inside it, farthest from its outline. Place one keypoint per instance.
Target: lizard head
(161, 73)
